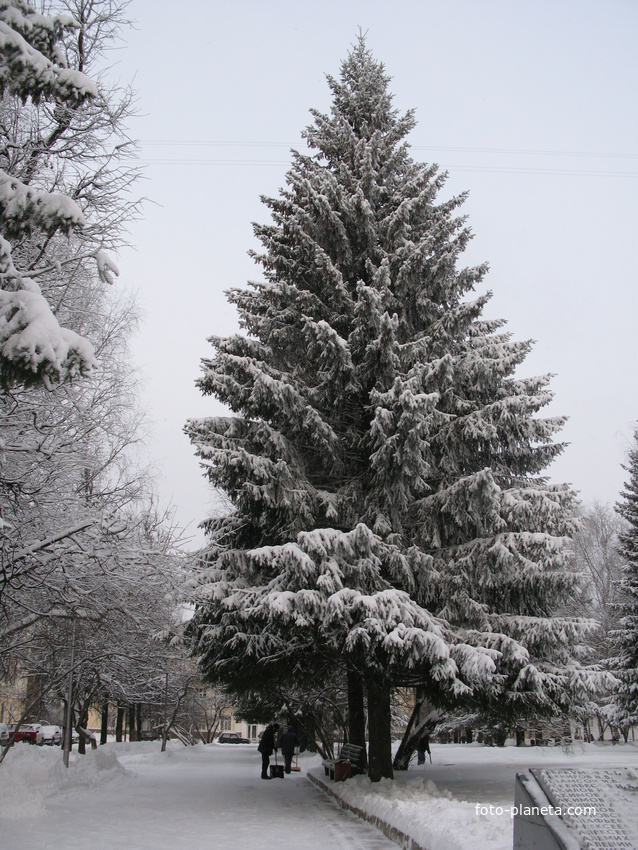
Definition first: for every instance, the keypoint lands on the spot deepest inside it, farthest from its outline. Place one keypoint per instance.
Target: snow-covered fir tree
(626, 664)
(383, 460)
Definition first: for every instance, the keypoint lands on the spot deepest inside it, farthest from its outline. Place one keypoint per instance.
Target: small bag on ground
(343, 770)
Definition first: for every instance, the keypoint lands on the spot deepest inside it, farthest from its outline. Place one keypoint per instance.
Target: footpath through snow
(135, 797)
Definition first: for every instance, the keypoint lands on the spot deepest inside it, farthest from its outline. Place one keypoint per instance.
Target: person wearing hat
(266, 746)
(288, 743)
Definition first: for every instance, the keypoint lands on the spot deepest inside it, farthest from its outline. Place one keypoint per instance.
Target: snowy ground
(135, 797)
(487, 774)
(437, 804)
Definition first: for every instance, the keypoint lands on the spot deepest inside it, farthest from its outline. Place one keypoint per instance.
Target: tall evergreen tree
(382, 459)
(627, 634)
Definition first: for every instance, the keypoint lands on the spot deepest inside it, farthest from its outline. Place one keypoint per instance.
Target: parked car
(232, 738)
(51, 735)
(29, 732)
(4, 734)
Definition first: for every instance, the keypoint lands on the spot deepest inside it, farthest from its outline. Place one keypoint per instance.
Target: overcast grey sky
(530, 105)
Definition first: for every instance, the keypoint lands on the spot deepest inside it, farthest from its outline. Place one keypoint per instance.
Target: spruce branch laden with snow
(47, 104)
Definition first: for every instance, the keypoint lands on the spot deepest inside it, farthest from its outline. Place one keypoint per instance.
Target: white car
(51, 735)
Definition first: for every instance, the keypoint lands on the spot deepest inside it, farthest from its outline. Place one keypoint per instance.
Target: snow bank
(415, 807)
(29, 775)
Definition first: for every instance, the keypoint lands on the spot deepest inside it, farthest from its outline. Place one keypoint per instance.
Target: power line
(566, 172)
(195, 143)
(531, 152)
(280, 162)
(447, 148)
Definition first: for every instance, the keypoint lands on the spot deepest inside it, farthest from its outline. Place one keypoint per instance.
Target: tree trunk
(380, 731)
(500, 736)
(64, 715)
(307, 734)
(138, 722)
(131, 722)
(602, 727)
(83, 717)
(356, 712)
(411, 734)
(104, 726)
(119, 723)
(34, 697)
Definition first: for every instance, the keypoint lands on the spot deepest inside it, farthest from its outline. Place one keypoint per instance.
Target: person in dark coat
(266, 746)
(288, 742)
(422, 748)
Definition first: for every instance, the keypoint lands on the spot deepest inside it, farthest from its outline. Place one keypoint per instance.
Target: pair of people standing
(272, 741)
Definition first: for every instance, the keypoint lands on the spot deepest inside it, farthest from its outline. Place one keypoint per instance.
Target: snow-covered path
(207, 797)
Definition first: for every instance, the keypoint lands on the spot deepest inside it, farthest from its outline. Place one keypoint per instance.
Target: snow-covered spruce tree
(626, 664)
(382, 460)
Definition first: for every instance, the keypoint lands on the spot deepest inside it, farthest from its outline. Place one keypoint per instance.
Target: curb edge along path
(401, 838)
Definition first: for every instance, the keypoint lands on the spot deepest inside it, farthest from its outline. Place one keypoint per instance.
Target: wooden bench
(349, 752)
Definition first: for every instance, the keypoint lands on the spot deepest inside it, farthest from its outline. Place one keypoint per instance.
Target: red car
(29, 732)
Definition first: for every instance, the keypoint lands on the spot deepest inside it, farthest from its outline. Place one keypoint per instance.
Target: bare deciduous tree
(80, 538)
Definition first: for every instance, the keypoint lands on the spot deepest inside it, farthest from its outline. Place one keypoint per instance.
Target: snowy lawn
(436, 804)
(135, 797)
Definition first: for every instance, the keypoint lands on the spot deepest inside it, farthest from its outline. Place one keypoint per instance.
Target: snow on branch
(54, 538)
(23, 209)
(25, 70)
(106, 267)
(33, 347)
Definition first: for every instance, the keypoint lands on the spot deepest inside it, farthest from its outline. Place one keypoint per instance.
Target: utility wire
(456, 149)
(565, 172)
(503, 169)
